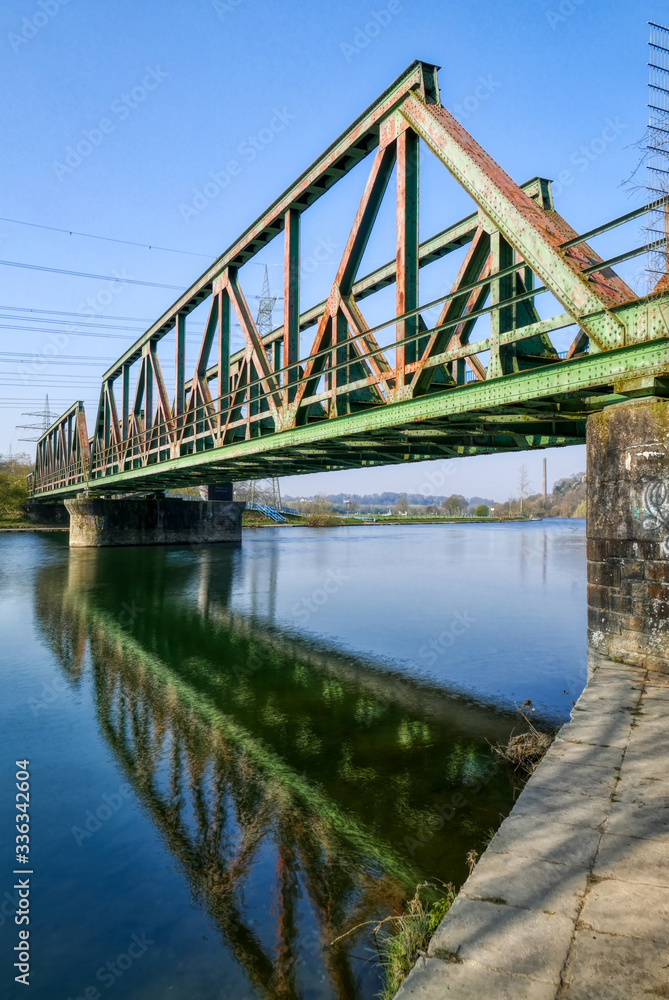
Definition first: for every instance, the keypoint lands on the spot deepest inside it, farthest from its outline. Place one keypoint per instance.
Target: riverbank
(33, 527)
(252, 520)
(571, 898)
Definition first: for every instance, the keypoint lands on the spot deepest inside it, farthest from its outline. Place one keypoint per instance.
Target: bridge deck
(538, 409)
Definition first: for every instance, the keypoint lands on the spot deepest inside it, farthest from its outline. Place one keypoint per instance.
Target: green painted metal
(398, 391)
(291, 326)
(476, 419)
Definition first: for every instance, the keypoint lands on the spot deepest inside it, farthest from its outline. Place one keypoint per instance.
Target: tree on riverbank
(567, 499)
(13, 485)
(455, 505)
(319, 511)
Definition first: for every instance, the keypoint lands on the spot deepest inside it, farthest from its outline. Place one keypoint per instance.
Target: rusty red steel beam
(320, 354)
(532, 232)
(268, 378)
(471, 269)
(379, 377)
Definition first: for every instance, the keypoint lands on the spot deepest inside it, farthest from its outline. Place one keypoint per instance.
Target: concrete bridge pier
(51, 514)
(628, 532)
(153, 520)
(218, 491)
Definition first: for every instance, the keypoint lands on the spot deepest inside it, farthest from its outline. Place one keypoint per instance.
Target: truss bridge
(474, 370)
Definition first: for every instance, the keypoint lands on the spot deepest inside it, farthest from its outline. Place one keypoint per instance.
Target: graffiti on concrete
(655, 501)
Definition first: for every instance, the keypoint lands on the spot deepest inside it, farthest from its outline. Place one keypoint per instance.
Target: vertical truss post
(223, 353)
(179, 367)
(253, 404)
(84, 446)
(500, 289)
(407, 248)
(291, 302)
(103, 426)
(125, 401)
(341, 403)
(148, 389)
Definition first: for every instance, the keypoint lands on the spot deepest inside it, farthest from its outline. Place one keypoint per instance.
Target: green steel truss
(484, 378)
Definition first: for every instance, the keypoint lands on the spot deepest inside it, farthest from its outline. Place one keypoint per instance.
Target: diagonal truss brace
(526, 227)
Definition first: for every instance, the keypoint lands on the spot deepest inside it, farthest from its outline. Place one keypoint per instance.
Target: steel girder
(400, 391)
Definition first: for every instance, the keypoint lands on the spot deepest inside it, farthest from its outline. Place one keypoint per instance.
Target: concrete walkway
(571, 899)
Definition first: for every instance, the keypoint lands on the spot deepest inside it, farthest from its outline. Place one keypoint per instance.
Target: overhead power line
(107, 239)
(33, 355)
(70, 333)
(75, 388)
(97, 277)
(77, 315)
(103, 277)
(85, 333)
(67, 322)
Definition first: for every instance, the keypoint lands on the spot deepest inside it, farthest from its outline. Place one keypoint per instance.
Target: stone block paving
(571, 899)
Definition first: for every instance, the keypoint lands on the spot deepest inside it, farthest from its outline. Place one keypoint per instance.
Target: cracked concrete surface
(571, 899)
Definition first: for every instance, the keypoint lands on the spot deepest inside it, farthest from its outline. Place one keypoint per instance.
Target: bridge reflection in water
(245, 743)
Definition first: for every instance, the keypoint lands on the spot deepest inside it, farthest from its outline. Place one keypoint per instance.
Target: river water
(239, 753)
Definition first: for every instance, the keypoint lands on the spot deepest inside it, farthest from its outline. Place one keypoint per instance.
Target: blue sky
(160, 96)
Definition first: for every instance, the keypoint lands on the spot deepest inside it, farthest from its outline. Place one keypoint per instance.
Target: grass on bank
(253, 519)
(400, 939)
(400, 947)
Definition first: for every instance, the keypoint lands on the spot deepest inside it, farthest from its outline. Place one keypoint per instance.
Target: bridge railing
(225, 418)
(218, 421)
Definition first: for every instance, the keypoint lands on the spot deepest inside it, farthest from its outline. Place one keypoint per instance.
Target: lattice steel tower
(265, 307)
(657, 149)
(46, 419)
(262, 491)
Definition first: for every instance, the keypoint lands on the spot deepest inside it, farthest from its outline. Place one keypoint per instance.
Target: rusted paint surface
(530, 230)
